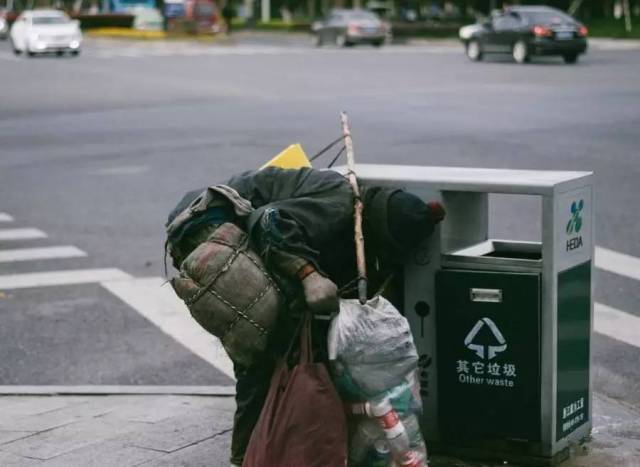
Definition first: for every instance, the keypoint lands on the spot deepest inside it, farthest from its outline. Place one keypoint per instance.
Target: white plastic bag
(372, 344)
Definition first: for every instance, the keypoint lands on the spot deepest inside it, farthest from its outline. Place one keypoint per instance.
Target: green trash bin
(488, 337)
(502, 327)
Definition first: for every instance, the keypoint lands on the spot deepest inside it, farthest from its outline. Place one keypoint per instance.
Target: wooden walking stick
(357, 215)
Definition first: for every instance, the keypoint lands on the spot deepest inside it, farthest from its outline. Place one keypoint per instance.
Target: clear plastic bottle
(379, 456)
(392, 426)
(363, 440)
(418, 448)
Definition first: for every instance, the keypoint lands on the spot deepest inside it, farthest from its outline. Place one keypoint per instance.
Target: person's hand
(320, 293)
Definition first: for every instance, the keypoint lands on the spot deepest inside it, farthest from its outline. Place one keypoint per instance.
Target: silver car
(348, 27)
(41, 31)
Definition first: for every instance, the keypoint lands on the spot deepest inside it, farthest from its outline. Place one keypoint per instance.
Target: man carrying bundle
(299, 224)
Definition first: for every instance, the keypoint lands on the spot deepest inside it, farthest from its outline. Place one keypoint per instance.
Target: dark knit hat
(396, 220)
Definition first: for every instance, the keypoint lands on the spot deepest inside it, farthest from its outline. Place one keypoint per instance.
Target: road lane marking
(617, 324)
(101, 390)
(617, 263)
(30, 254)
(70, 277)
(154, 299)
(21, 234)
(4, 217)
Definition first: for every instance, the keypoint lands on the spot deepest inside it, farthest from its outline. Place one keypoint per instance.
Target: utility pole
(627, 15)
(575, 6)
(265, 11)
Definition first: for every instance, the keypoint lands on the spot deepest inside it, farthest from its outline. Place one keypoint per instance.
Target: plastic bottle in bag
(363, 440)
(379, 456)
(417, 454)
(393, 428)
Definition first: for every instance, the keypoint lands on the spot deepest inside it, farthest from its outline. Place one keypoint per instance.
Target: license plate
(564, 35)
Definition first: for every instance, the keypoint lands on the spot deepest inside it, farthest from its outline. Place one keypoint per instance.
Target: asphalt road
(96, 150)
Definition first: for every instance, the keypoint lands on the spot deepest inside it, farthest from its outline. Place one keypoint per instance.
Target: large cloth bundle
(230, 293)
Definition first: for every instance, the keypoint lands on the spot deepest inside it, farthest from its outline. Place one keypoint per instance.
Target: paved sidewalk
(185, 430)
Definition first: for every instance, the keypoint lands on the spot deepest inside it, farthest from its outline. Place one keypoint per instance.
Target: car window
(547, 17)
(362, 15)
(505, 23)
(50, 20)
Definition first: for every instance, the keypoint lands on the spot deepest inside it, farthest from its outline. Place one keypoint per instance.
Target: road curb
(114, 390)
(134, 34)
(126, 33)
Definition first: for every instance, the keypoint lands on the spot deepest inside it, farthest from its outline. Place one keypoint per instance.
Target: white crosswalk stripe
(30, 254)
(52, 278)
(617, 263)
(4, 217)
(21, 234)
(617, 324)
(154, 299)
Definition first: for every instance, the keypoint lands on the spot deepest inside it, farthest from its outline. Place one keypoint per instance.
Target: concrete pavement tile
(58, 441)
(9, 436)
(148, 409)
(213, 452)
(17, 407)
(106, 454)
(11, 460)
(178, 432)
(44, 421)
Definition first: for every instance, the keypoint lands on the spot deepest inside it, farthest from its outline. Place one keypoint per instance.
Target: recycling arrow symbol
(492, 350)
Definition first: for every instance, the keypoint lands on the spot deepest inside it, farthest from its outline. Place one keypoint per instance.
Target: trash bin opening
(502, 249)
(514, 254)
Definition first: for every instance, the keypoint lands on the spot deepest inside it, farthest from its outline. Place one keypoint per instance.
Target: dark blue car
(524, 32)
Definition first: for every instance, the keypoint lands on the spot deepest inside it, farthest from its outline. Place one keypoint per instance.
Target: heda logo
(575, 225)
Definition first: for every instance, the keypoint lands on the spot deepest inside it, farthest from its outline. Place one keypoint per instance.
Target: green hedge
(611, 27)
(431, 29)
(117, 20)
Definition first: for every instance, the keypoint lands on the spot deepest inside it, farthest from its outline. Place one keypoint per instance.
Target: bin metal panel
(574, 330)
(488, 346)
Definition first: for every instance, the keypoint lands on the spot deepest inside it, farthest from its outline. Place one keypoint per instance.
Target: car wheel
(75, 53)
(378, 43)
(520, 52)
(474, 51)
(30, 53)
(570, 58)
(59, 53)
(341, 40)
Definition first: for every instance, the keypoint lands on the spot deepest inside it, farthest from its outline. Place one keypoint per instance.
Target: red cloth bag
(302, 423)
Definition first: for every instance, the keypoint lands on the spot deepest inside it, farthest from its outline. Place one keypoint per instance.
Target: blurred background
(110, 110)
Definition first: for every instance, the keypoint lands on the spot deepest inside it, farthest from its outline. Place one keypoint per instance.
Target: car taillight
(542, 31)
(583, 31)
(353, 28)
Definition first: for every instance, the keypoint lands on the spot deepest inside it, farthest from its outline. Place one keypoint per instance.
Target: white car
(41, 31)
(4, 27)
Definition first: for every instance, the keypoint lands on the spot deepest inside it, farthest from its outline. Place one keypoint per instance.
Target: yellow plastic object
(291, 158)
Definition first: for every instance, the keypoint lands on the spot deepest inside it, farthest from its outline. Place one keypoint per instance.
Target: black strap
(337, 156)
(325, 149)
